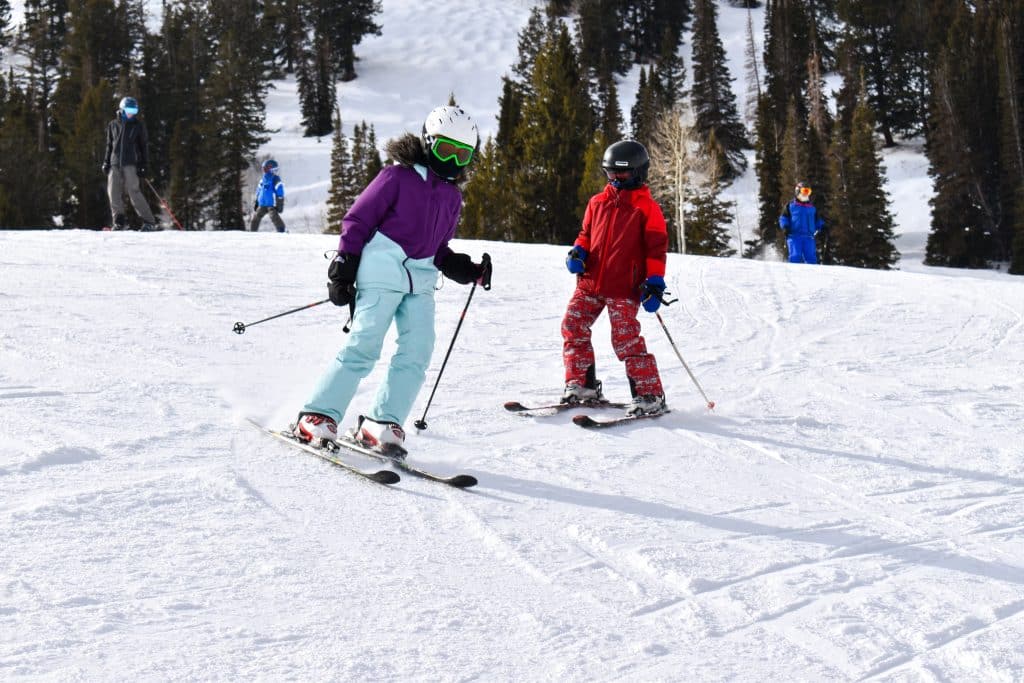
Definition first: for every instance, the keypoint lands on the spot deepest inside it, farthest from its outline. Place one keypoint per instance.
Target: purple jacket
(419, 215)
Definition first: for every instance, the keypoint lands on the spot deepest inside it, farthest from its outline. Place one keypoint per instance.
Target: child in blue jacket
(269, 198)
(801, 224)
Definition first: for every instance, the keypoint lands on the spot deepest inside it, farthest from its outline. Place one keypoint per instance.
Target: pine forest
(948, 72)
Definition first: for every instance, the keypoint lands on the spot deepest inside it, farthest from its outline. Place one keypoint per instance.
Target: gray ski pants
(275, 217)
(121, 179)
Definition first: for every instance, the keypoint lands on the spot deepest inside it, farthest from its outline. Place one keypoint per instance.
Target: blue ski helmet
(128, 106)
(270, 166)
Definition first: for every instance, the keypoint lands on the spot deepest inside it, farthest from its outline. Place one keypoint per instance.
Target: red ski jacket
(626, 240)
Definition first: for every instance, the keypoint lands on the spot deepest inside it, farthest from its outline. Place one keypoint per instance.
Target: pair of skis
(335, 453)
(584, 421)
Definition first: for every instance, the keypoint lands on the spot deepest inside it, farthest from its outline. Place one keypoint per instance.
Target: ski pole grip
(485, 275)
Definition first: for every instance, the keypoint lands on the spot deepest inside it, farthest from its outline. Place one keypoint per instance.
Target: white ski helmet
(442, 127)
(452, 123)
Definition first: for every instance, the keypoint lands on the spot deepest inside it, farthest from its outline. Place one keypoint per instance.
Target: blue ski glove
(576, 260)
(651, 293)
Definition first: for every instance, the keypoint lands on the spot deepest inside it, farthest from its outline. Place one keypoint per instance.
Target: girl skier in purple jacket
(394, 240)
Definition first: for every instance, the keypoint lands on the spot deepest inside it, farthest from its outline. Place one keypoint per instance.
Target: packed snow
(852, 509)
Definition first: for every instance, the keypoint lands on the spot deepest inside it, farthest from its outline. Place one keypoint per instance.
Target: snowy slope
(852, 509)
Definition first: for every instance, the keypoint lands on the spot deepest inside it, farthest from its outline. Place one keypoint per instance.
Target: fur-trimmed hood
(407, 150)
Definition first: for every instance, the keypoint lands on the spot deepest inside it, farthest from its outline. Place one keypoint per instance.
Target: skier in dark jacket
(125, 161)
(801, 224)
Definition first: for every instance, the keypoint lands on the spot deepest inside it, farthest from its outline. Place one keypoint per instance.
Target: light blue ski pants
(413, 315)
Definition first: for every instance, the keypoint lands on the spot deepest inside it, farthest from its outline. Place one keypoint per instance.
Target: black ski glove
(341, 275)
(460, 267)
(279, 205)
(140, 171)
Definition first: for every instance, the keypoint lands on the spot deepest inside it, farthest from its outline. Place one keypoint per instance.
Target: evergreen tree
(233, 111)
(284, 20)
(27, 197)
(794, 152)
(647, 108)
(344, 181)
(351, 22)
(786, 49)
(42, 38)
(5, 22)
(317, 88)
(819, 131)
(601, 35)
(559, 8)
(870, 31)
(555, 131)
(671, 70)
(366, 161)
(862, 228)
(181, 59)
(707, 230)
(487, 197)
(714, 103)
(961, 127)
(768, 166)
(1010, 61)
(86, 203)
(536, 32)
(593, 178)
(95, 49)
(645, 21)
(609, 114)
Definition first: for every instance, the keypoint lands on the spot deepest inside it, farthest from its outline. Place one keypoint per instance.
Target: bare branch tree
(678, 165)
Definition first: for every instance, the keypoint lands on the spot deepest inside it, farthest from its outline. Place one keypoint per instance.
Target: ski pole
(240, 327)
(485, 263)
(711, 404)
(167, 208)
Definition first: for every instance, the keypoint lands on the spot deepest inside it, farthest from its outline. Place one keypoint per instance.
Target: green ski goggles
(450, 150)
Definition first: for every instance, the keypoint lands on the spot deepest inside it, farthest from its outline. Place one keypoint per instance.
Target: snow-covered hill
(851, 510)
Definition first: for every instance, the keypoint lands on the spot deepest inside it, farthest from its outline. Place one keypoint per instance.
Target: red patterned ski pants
(629, 346)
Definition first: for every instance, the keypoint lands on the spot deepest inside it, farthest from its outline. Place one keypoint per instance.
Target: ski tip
(514, 406)
(584, 421)
(462, 481)
(385, 477)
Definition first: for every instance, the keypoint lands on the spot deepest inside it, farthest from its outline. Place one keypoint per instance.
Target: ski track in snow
(851, 510)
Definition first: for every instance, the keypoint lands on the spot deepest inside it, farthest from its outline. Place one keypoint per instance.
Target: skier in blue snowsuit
(269, 197)
(394, 240)
(801, 224)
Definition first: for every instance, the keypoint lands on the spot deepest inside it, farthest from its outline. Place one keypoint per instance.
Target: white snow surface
(851, 510)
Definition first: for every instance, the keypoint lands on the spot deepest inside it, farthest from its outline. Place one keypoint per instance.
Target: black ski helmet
(270, 166)
(627, 155)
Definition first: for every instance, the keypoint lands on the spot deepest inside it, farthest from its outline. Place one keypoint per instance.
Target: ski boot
(647, 404)
(578, 393)
(386, 437)
(317, 430)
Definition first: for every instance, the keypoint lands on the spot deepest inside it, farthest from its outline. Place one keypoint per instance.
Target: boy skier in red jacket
(619, 258)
